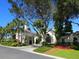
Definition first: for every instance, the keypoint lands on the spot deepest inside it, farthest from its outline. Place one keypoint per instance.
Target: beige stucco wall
(53, 38)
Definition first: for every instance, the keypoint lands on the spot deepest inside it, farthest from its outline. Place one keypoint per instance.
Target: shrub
(47, 44)
(75, 47)
(14, 44)
(9, 42)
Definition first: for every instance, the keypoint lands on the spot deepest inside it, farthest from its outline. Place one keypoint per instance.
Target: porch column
(35, 38)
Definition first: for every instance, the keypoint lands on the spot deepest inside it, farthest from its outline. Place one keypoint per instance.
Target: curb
(55, 57)
(49, 56)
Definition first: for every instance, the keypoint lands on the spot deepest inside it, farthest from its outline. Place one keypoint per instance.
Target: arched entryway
(30, 42)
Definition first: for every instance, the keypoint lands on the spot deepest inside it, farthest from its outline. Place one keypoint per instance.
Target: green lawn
(42, 49)
(65, 53)
(69, 54)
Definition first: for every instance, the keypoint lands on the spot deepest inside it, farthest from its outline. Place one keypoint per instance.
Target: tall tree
(65, 9)
(1, 32)
(67, 26)
(14, 26)
(32, 10)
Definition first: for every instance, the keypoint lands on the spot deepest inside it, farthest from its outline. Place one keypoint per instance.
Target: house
(8, 36)
(31, 38)
(70, 38)
(50, 38)
(26, 36)
(74, 37)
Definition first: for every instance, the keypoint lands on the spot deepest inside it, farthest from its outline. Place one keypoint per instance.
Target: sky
(6, 17)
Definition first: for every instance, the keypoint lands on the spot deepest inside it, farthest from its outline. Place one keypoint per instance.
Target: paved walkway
(25, 48)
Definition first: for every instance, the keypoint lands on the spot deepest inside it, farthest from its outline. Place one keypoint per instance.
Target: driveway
(29, 48)
(10, 53)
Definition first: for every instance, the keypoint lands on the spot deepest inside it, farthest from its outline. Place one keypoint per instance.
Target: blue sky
(6, 16)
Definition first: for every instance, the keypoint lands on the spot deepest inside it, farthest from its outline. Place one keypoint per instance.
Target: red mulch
(63, 47)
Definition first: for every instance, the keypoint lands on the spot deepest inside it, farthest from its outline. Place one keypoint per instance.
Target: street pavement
(10, 53)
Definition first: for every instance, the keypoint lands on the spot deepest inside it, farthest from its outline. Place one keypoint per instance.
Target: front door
(30, 42)
(48, 38)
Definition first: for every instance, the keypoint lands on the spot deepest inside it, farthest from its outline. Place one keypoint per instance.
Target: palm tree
(13, 26)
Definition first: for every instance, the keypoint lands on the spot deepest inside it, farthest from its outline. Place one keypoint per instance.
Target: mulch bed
(63, 47)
